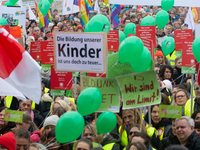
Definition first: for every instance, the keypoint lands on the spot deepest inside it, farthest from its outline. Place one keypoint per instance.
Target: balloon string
(55, 146)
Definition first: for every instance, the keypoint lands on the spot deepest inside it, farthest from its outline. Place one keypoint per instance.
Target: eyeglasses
(196, 89)
(180, 96)
(89, 135)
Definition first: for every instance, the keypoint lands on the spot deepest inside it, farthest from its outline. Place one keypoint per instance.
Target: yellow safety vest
(108, 146)
(172, 58)
(124, 137)
(187, 107)
(152, 130)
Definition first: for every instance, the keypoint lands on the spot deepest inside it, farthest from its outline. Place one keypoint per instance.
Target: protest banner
(47, 54)
(101, 75)
(80, 52)
(188, 59)
(180, 36)
(60, 81)
(139, 89)
(15, 16)
(13, 115)
(170, 111)
(114, 68)
(35, 50)
(109, 90)
(15, 32)
(186, 3)
(113, 40)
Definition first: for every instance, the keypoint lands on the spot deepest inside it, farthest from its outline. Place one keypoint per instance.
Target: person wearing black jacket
(186, 135)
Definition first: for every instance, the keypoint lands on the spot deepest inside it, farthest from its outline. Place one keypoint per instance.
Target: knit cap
(8, 141)
(51, 120)
(159, 53)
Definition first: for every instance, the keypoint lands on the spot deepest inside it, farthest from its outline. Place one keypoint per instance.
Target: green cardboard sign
(170, 111)
(188, 70)
(57, 92)
(139, 89)
(109, 90)
(114, 68)
(13, 116)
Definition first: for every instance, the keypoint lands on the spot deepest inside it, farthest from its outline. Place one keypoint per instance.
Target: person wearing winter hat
(159, 59)
(7, 141)
(49, 124)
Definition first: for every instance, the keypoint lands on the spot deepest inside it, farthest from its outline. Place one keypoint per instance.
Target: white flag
(189, 20)
(20, 3)
(96, 7)
(69, 7)
(31, 14)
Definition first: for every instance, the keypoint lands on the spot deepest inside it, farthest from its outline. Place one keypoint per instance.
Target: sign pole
(75, 90)
(141, 110)
(149, 113)
(192, 93)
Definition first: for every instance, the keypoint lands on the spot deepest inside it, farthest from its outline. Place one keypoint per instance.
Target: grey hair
(189, 120)
(38, 146)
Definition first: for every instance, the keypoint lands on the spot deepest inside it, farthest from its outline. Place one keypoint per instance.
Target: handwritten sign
(109, 90)
(15, 32)
(170, 111)
(13, 115)
(114, 68)
(139, 89)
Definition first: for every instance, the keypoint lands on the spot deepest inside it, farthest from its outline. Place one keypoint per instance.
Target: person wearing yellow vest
(196, 102)
(171, 57)
(128, 120)
(111, 141)
(161, 127)
(90, 132)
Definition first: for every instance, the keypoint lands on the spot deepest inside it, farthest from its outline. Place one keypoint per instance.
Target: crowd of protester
(133, 132)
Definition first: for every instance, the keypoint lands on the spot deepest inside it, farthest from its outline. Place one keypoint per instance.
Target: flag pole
(192, 93)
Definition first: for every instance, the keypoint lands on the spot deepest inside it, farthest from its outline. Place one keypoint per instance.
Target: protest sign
(13, 115)
(139, 89)
(188, 59)
(109, 90)
(60, 80)
(15, 16)
(82, 52)
(35, 50)
(15, 32)
(47, 54)
(101, 75)
(186, 3)
(147, 32)
(180, 36)
(113, 40)
(170, 111)
(114, 68)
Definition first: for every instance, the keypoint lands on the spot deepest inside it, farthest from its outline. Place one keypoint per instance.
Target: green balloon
(196, 48)
(89, 101)
(51, 1)
(69, 127)
(143, 62)
(106, 122)
(8, 3)
(3, 22)
(99, 23)
(148, 21)
(44, 7)
(86, 27)
(130, 49)
(13, 1)
(167, 4)
(168, 45)
(122, 36)
(162, 18)
(130, 28)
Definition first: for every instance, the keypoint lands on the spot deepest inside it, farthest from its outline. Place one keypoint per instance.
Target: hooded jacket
(112, 137)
